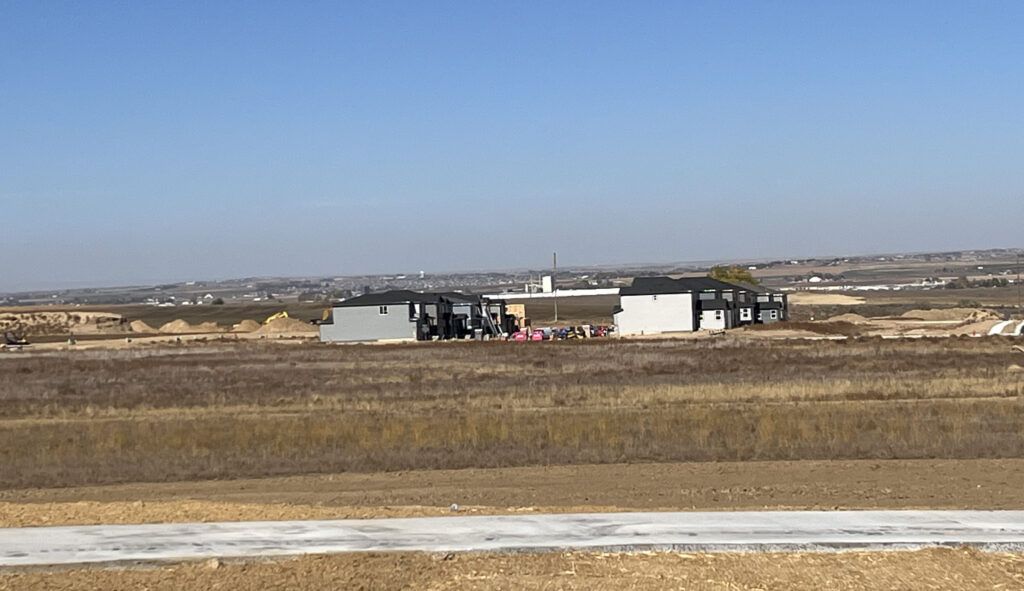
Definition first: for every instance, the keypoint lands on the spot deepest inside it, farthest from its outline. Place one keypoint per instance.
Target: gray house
(390, 316)
(403, 315)
(654, 305)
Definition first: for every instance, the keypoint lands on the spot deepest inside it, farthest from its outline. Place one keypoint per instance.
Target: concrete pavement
(696, 531)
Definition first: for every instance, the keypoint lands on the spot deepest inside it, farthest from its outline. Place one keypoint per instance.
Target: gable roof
(459, 297)
(666, 285)
(714, 305)
(397, 296)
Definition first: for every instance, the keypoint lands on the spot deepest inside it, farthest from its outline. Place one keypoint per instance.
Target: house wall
(715, 320)
(746, 314)
(365, 323)
(653, 314)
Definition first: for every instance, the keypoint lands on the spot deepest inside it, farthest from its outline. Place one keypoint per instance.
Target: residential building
(402, 315)
(655, 305)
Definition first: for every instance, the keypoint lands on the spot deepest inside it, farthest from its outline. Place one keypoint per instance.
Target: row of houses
(651, 305)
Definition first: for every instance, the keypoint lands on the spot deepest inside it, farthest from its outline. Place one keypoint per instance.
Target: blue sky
(148, 141)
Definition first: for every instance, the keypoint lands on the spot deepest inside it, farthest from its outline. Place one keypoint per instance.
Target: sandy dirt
(246, 326)
(806, 298)
(42, 322)
(141, 327)
(924, 569)
(891, 484)
(961, 314)
(287, 326)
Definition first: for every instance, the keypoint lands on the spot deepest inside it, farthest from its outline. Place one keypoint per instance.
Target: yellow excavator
(273, 317)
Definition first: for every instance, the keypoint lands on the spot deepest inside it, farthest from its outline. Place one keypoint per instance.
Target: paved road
(714, 531)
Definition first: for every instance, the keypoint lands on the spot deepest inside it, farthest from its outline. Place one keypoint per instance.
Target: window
(718, 314)
(383, 310)
(775, 314)
(654, 297)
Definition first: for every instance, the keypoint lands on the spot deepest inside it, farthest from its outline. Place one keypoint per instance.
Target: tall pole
(554, 282)
(1019, 311)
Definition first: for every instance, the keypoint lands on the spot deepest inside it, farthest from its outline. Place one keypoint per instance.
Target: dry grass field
(254, 430)
(256, 409)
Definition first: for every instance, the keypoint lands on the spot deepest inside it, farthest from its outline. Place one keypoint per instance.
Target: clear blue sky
(151, 141)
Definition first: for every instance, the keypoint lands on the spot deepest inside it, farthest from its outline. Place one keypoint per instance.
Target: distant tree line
(733, 274)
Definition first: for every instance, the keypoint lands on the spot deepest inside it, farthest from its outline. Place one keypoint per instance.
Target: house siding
(708, 321)
(654, 314)
(365, 323)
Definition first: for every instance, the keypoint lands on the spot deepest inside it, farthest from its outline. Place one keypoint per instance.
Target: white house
(655, 305)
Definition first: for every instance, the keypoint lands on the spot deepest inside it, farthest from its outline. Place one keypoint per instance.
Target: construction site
(659, 399)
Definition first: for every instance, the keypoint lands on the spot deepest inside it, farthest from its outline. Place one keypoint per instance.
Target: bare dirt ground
(926, 569)
(888, 484)
(807, 298)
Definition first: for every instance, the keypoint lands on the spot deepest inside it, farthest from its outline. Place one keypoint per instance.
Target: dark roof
(770, 305)
(714, 305)
(755, 288)
(398, 296)
(457, 297)
(659, 285)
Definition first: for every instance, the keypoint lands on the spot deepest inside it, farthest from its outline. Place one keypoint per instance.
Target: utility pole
(554, 282)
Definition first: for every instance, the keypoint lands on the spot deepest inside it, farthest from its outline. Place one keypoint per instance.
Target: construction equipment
(278, 316)
(13, 341)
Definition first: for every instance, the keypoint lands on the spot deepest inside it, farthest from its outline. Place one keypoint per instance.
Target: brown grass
(255, 409)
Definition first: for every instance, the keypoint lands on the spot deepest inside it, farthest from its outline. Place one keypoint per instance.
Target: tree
(732, 274)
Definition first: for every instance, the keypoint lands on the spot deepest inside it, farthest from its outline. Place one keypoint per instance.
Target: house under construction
(402, 315)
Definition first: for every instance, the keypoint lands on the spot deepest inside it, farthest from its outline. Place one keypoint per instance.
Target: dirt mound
(1015, 369)
(850, 317)
(44, 323)
(177, 327)
(246, 326)
(961, 314)
(287, 326)
(823, 299)
(141, 327)
(183, 327)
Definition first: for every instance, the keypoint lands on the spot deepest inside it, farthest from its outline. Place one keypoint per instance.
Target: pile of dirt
(287, 326)
(177, 327)
(960, 314)
(183, 327)
(804, 298)
(1015, 369)
(246, 326)
(141, 327)
(46, 323)
(850, 317)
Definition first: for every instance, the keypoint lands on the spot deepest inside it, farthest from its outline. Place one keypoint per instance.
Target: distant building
(402, 315)
(655, 305)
